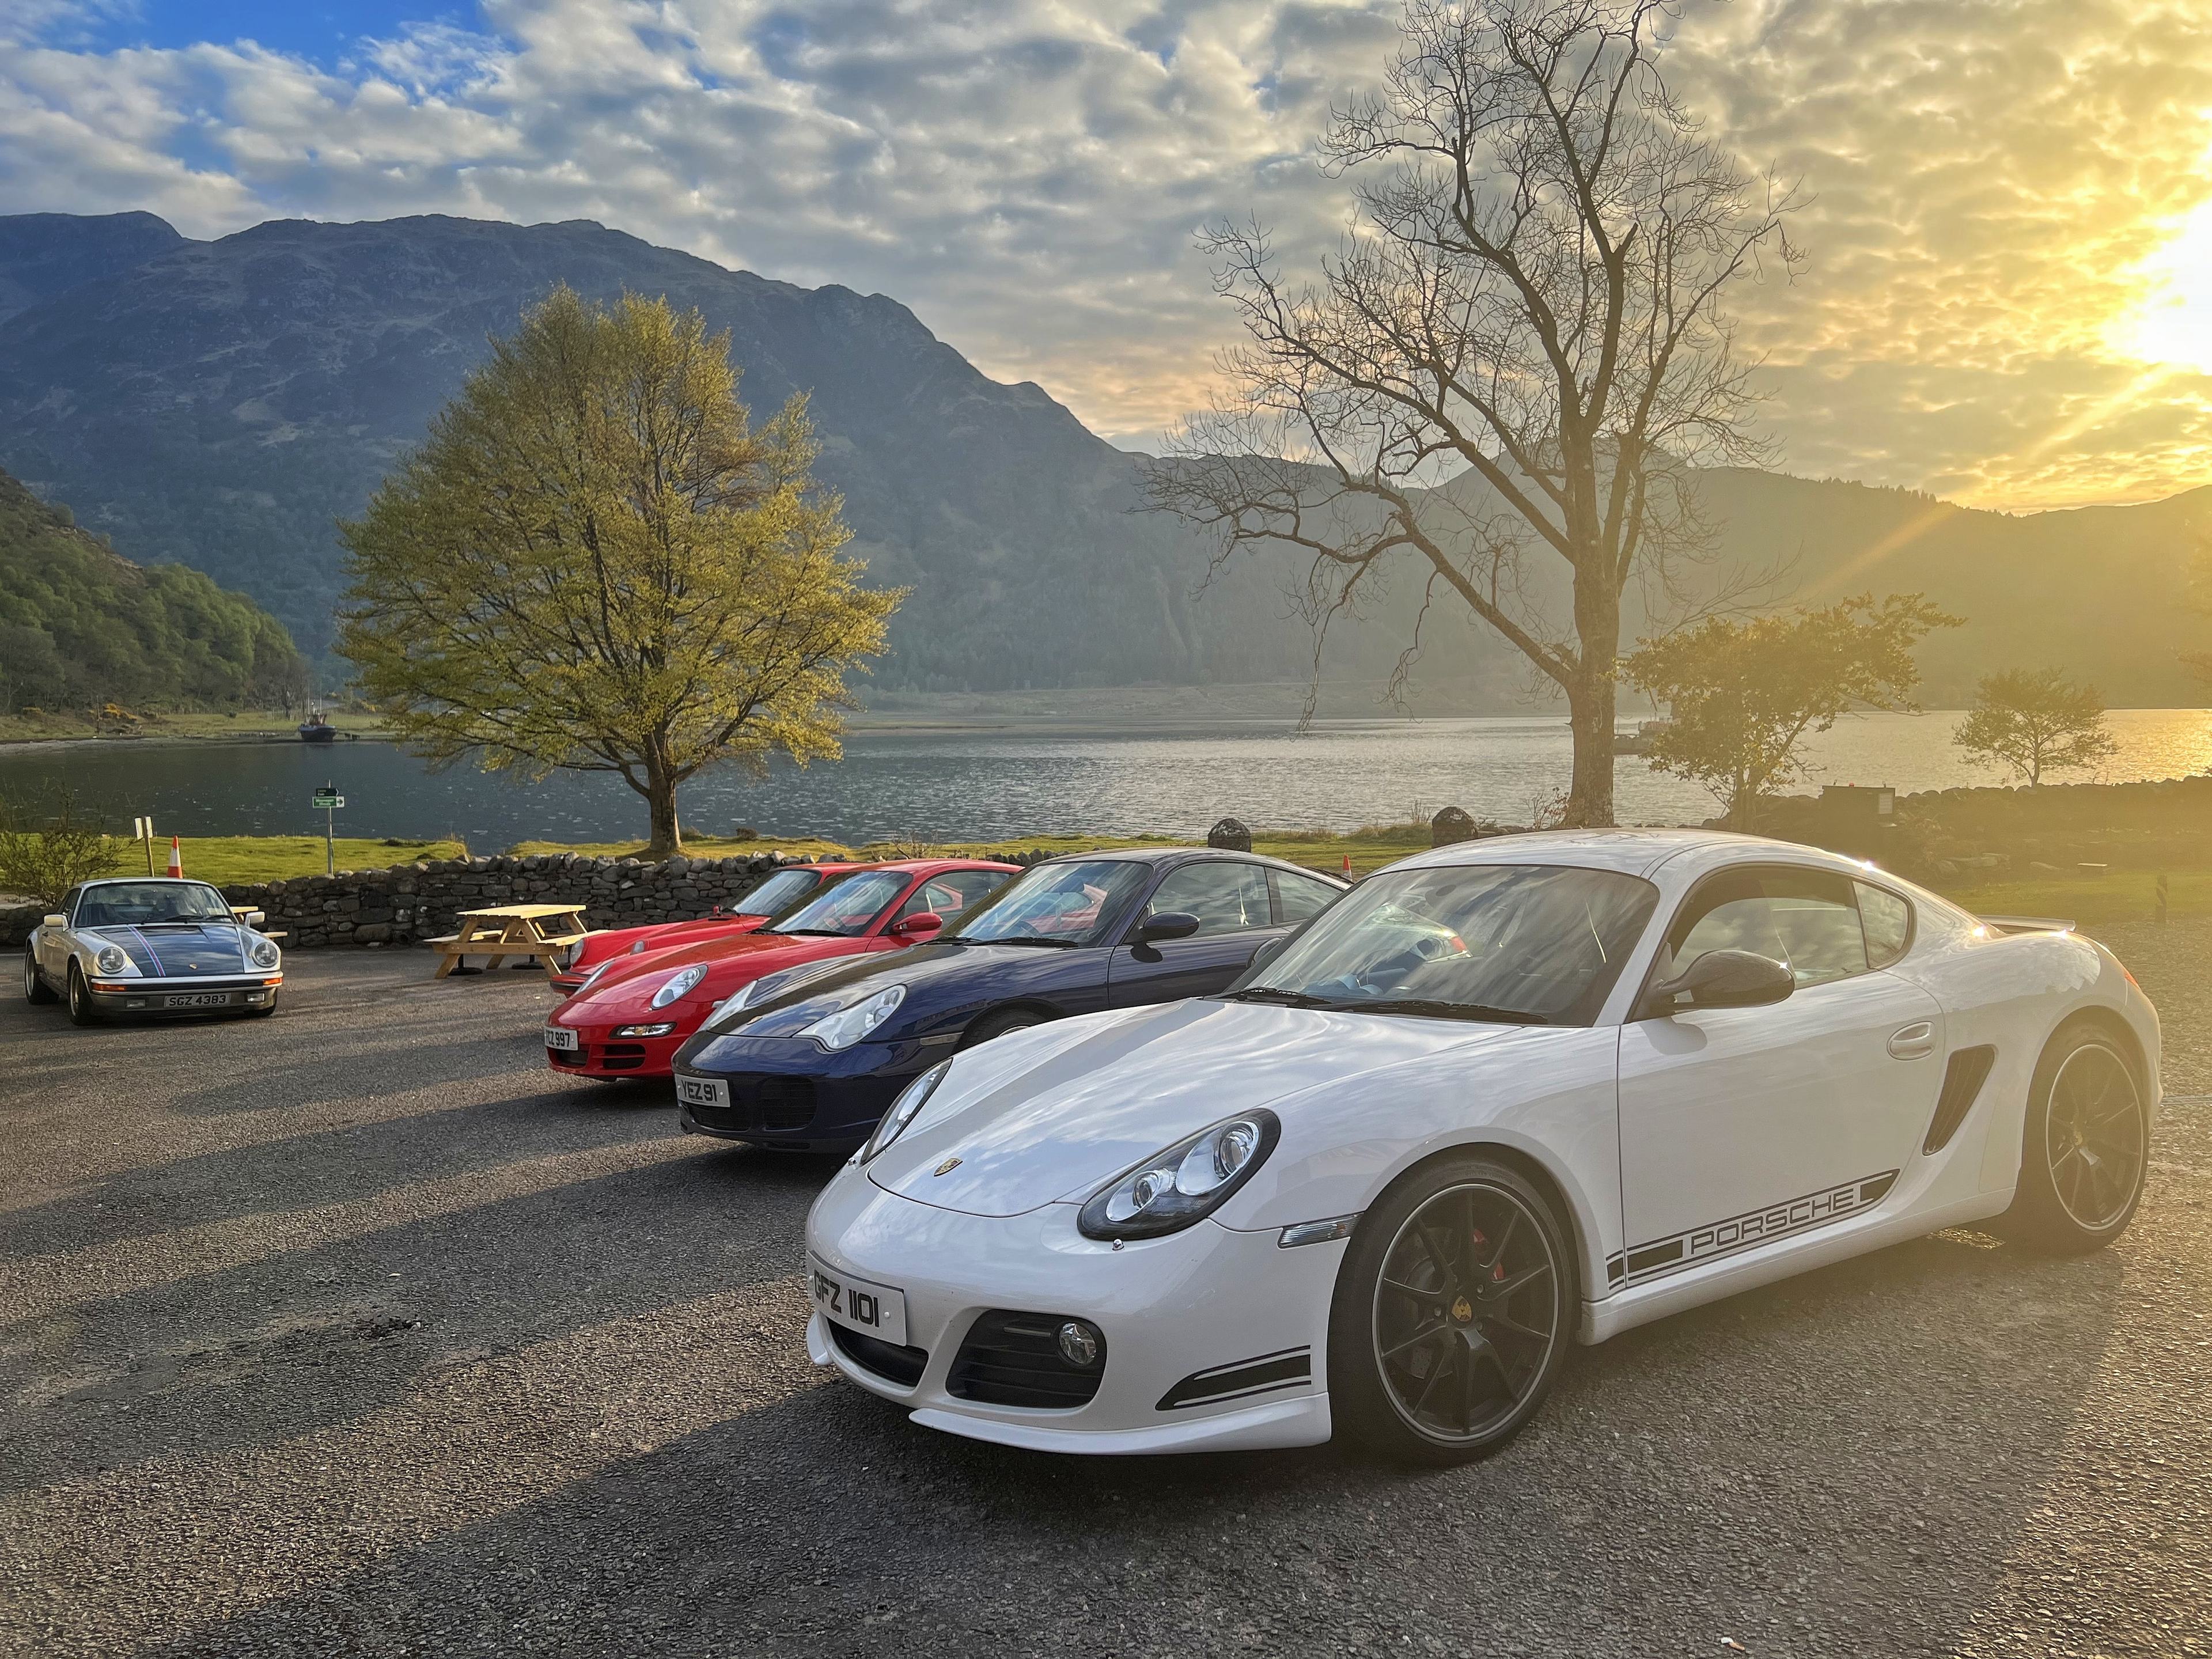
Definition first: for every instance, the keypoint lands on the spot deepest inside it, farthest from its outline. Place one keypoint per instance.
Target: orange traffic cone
(176, 857)
(1347, 863)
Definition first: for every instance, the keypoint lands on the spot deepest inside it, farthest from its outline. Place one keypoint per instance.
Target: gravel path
(355, 1331)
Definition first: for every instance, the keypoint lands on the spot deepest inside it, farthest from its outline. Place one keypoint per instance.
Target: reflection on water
(992, 784)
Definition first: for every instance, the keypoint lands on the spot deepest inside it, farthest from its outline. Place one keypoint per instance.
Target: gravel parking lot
(355, 1331)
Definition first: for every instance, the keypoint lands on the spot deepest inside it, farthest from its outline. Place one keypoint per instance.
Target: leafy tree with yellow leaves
(595, 563)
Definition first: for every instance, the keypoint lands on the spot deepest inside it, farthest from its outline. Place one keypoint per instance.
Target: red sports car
(779, 895)
(633, 1020)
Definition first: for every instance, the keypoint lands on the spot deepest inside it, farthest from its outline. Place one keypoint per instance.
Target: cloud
(1992, 182)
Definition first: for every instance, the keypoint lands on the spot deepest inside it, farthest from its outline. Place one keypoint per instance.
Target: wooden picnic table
(501, 931)
(239, 913)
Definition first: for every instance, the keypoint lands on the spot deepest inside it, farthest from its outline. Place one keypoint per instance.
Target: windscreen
(847, 908)
(779, 892)
(1539, 943)
(149, 904)
(1072, 903)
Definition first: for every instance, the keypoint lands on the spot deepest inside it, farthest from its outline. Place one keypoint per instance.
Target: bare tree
(1531, 290)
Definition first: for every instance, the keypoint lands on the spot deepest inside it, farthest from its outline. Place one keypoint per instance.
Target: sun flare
(2171, 324)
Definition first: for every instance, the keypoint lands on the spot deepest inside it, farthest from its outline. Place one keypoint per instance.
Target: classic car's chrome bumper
(183, 996)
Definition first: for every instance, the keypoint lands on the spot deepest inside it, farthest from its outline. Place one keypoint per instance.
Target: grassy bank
(2124, 895)
(252, 726)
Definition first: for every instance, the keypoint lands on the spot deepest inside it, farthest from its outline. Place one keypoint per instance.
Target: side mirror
(922, 924)
(1726, 979)
(1268, 952)
(55, 921)
(255, 919)
(1168, 924)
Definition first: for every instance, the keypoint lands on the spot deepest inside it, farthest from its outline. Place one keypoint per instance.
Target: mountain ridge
(261, 384)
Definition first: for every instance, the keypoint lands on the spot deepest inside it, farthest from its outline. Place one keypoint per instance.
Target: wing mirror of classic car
(1168, 924)
(55, 921)
(1725, 979)
(256, 919)
(922, 924)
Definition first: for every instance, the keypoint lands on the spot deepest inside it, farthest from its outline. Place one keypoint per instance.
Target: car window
(1887, 919)
(1297, 898)
(1226, 897)
(149, 904)
(1074, 902)
(1807, 919)
(68, 906)
(954, 893)
(779, 892)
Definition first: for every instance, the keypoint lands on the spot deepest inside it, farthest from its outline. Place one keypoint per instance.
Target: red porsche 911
(630, 1022)
(778, 895)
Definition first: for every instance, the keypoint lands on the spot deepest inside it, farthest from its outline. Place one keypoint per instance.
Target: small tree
(1743, 694)
(595, 564)
(43, 855)
(2037, 720)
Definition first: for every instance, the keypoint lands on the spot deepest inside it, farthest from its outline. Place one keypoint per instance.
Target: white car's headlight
(848, 1026)
(680, 984)
(265, 953)
(1185, 1183)
(112, 960)
(911, 1099)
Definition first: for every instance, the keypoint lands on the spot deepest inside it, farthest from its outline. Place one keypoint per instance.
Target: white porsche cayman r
(1500, 1097)
(154, 945)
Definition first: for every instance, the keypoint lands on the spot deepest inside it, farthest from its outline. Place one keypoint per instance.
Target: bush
(42, 857)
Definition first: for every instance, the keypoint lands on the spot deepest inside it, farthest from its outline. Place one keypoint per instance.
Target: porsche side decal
(1740, 1232)
(1263, 1374)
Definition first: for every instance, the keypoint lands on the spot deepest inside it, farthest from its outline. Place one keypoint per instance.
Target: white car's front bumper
(1215, 1339)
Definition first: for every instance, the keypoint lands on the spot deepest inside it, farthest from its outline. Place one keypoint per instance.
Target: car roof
(1632, 852)
(936, 866)
(1173, 855)
(140, 881)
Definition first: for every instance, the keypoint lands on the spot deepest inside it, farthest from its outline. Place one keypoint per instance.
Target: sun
(2171, 324)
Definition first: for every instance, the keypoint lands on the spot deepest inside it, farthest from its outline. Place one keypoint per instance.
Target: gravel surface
(355, 1331)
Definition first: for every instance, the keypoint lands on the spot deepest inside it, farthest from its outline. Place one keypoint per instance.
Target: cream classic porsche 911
(1500, 1097)
(151, 945)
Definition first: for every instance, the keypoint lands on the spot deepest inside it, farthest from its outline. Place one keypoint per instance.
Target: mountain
(81, 626)
(221, 403)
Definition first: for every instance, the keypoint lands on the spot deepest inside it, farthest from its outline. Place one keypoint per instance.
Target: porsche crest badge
(947, 1167)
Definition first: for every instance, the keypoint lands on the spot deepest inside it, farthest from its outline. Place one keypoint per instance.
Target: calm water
(991, 784)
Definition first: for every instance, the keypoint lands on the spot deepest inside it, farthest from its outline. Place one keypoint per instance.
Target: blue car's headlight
(849, 1024)
(678, 983)
(111, 961)
(1185, 1183)
(265, 953)
(911, 1100)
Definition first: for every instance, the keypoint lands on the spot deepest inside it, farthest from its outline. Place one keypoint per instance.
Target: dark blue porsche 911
(809, 1060)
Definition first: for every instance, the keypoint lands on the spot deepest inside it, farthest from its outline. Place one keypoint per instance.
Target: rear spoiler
(2028, 924)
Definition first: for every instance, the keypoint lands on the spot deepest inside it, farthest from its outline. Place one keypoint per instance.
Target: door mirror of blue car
(1724, 979)
(1168, 924)
(1267, 953)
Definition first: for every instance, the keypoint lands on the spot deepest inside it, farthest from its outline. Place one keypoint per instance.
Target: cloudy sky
(2008, 299)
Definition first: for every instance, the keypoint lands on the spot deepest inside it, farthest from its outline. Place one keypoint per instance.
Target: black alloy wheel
(1452, 1313)
(35, 988)
(2085, 1149)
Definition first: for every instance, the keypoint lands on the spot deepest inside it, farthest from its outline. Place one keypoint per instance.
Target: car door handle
(1913, 1041)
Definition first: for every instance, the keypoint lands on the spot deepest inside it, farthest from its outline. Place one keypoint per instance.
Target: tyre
(2085, 1147)
(1452, 1313)
(35, 988)
(997, 1025)
(81, 1009)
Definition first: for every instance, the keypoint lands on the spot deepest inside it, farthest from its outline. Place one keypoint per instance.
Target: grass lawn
(254, 723)
(2121, 896)
(230, 860)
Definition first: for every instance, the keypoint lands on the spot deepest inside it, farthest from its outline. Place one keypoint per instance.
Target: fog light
(1078, 1345)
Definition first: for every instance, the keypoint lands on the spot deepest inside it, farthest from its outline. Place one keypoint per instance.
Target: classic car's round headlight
(111, 960)
(1187, 1183)
(265, 953)
(680, 984)
(848, 1026)
(911, 1099)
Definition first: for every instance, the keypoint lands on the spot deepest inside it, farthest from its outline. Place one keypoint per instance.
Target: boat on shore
(316, 729)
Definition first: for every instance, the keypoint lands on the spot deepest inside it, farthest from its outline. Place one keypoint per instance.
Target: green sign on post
(326, 801)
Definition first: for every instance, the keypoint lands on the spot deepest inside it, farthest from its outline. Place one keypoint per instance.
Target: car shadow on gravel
(305, 1339)
(1848, 1456)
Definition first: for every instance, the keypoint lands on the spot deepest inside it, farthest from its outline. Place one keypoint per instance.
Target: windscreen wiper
(1279, 997)
(1436, 1009)
(1056, 944)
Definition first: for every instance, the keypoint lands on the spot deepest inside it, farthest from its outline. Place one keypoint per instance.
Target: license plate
(713, 1091)
(198, 1000)
(876, 1309)
(559, 1036)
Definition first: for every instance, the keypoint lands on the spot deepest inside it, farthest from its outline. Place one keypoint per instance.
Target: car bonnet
(730, 963)
(171, 949)
(1055, 1112)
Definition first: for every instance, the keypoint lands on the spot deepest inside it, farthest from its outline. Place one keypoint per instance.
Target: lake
(990, 783)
